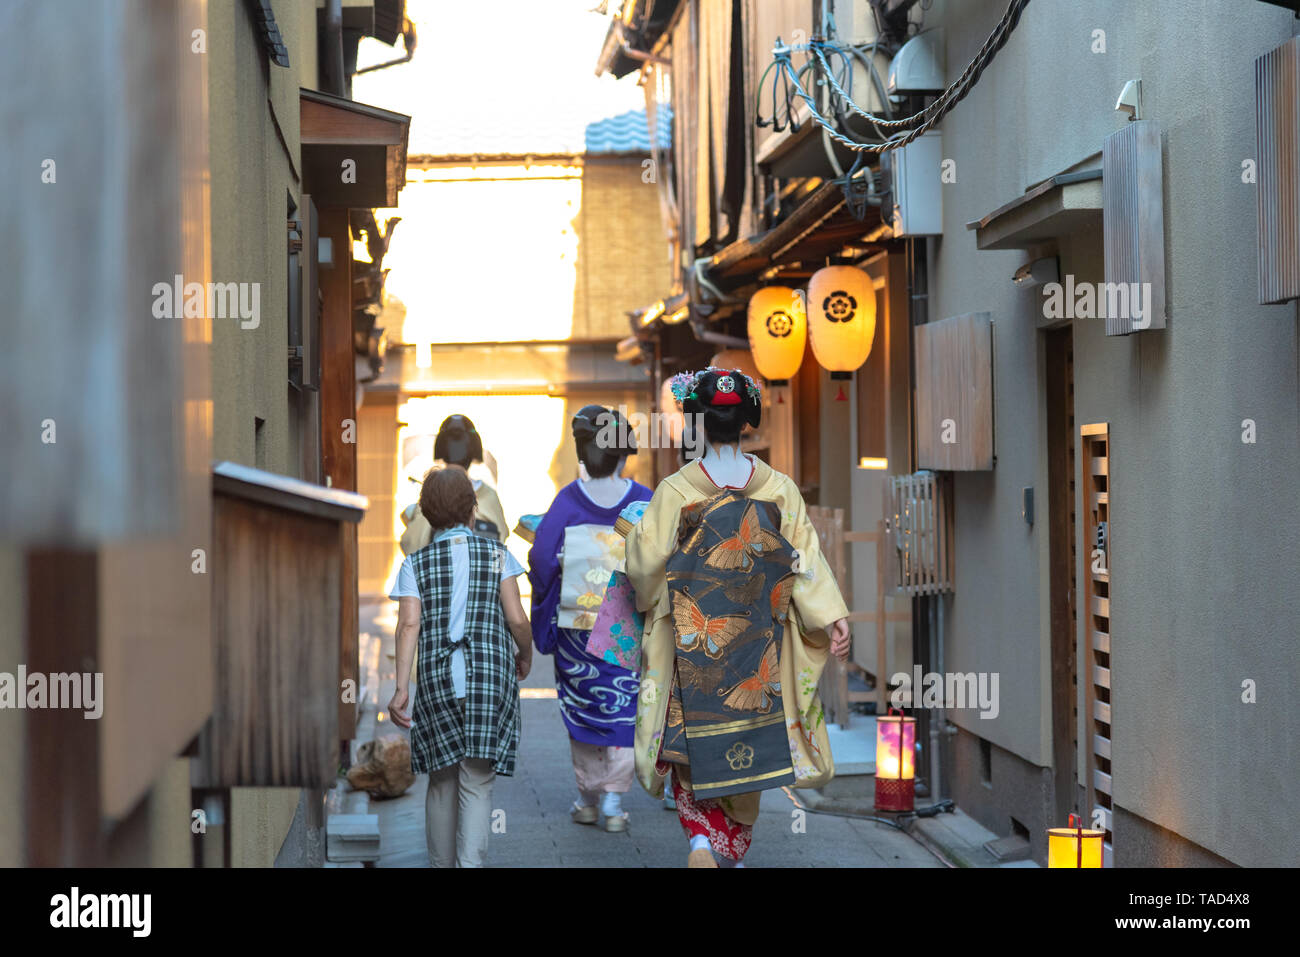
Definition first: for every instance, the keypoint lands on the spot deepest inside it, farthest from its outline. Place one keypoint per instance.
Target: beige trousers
(601, 768)
(458, 814)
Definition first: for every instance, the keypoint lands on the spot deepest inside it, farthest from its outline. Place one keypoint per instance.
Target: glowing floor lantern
(1074, 846)
(895, 761)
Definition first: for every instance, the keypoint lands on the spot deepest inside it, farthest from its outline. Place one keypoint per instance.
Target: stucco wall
(252, 180)
(1205, 529)
(253, 176)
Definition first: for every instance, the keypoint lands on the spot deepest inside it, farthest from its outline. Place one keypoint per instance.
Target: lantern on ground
(778, 329)
(895, 761)
(841, 318)
(1074, 846)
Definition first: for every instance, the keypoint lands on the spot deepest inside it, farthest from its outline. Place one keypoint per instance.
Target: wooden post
(338, 422)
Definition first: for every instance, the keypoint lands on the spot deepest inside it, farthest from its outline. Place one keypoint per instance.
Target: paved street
(539, 833)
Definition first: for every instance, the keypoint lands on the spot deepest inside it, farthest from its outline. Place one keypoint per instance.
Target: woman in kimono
(597, 698)
(458, 443)
(742, 611)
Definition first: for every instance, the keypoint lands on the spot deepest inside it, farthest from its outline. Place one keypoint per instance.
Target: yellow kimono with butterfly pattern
(816, 604)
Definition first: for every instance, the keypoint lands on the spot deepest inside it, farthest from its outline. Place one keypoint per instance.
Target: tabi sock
(611, 804)
(700, 842)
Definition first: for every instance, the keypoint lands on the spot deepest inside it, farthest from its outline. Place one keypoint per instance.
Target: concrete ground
(537, 831)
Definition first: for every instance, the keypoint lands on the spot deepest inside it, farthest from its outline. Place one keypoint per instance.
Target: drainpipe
(408, 42)
(940, 719)
(334, 46)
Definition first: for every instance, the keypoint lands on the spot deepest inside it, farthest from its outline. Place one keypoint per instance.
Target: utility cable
(919, 123)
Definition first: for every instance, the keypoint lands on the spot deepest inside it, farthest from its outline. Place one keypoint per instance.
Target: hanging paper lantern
(841, 318)
(671, 419)
(778, 329)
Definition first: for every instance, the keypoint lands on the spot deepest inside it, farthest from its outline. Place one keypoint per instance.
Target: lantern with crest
(841, 318)
(778, 329)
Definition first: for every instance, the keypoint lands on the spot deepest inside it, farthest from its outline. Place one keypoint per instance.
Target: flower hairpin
(682, 384)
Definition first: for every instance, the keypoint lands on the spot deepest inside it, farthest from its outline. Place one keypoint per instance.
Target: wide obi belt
(729, 582)
(592, 553)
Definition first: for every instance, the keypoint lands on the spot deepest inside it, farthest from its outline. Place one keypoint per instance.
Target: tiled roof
(628, 132)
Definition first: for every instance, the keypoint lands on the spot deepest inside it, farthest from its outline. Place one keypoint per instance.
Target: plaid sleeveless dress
(442, 734)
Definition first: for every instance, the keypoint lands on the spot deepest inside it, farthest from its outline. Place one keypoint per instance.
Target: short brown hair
(447, 498)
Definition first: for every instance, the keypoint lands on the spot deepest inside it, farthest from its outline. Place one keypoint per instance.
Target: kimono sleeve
(650, 543)
(544, 576)
(489, 507)
(816, 594)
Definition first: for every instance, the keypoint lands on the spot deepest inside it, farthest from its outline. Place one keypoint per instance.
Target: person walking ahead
(459, 595)
(742, 613)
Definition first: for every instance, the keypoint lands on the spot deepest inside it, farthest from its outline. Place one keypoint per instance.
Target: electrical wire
(920, 122)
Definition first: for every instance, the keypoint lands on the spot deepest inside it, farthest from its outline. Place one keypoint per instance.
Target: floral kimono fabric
(729, 581)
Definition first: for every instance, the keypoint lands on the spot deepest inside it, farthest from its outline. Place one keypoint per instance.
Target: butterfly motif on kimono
(756, 692)
(698, 630)
(701, 678)
(739, 551)
(746, 593)
(781, 599)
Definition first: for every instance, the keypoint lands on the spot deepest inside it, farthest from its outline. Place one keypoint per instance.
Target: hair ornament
(685, 384)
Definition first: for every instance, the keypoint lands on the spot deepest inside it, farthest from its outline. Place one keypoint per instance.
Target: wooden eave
(1058, 205)
(334, 129)
(820, 227)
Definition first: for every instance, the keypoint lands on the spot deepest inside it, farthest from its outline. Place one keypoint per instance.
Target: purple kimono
(597, 698)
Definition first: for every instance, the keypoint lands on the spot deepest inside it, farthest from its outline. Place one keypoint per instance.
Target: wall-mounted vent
(1277, 135)
(1133, 217)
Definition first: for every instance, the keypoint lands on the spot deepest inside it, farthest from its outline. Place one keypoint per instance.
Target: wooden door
(1062, 556)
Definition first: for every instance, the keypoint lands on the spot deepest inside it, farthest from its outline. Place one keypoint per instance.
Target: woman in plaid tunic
(459, 594)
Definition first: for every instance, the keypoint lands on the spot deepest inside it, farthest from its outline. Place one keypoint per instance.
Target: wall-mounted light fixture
(1130, 100)
(1038, 272)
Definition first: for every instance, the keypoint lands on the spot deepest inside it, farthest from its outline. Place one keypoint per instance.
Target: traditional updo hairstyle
(458, 442)
(602, 438)
(727, 398)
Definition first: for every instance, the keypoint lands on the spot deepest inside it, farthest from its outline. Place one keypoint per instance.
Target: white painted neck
(605, 492)
(727, 465)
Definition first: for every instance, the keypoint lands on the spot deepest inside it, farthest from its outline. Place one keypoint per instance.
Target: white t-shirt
(406, 588)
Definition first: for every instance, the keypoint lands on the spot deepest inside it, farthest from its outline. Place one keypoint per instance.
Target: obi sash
(729, 582)
(592, 553)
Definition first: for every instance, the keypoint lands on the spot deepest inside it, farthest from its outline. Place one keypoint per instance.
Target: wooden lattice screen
(918, 513)
(1095, 460)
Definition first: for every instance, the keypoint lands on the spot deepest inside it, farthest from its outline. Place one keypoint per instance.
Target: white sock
(611, 804)
(699, 841)
(586, 799)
